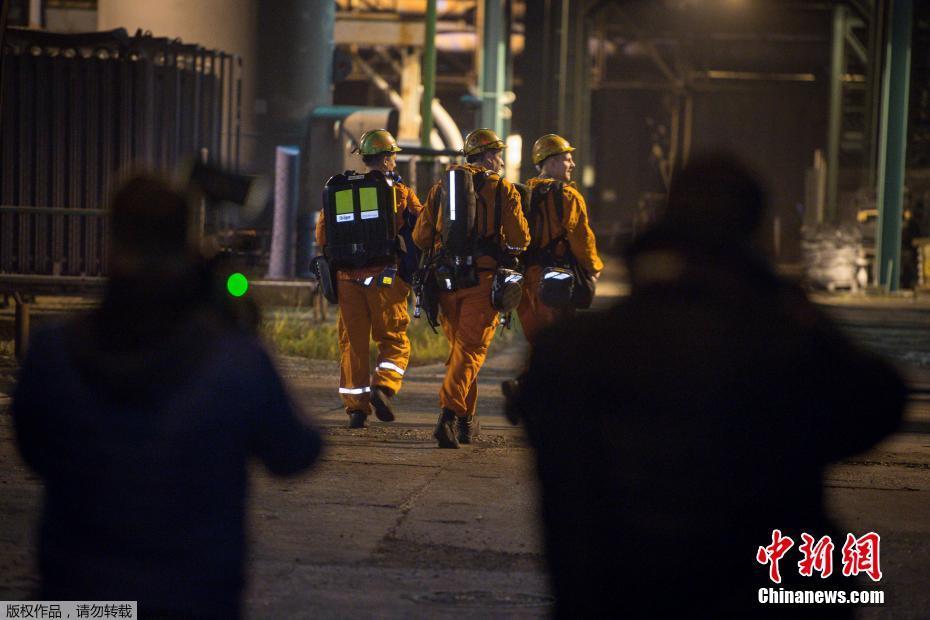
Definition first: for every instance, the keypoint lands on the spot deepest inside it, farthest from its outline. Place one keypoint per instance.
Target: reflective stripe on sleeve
(391, 366)
(360, 390)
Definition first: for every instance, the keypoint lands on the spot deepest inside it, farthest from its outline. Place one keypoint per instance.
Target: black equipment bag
(556, 287)
(326, 277)
(506, 290)
(585, 287)
(409, 252)
(361, 228)
(426, 291)
(431, 302)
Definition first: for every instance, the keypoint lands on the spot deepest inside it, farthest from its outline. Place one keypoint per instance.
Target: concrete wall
(70, 20)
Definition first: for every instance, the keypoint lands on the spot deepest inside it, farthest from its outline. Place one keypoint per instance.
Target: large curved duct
(447, 125)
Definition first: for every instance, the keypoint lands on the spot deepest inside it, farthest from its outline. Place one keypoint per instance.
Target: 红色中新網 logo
(859, 555)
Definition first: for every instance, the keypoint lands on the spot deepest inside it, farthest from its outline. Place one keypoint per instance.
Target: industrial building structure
(820, 96)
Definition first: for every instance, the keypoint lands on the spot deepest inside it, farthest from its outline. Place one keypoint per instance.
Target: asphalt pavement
(388, 526)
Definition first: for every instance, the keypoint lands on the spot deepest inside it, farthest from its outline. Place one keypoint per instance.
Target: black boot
(381, 401)
(467, 428)
(357, 419)
(445, 430)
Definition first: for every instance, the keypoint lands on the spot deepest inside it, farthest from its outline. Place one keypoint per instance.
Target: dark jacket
(143, 443)
(675, 431)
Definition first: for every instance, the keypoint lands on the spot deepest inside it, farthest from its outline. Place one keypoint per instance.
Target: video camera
(223, 203)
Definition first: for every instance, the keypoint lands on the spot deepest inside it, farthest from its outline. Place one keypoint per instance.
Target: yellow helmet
(550, 144)
(481, 140)
(377, 141)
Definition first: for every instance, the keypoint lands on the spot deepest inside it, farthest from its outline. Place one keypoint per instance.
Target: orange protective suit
(372, 310)
(546, 226)
(468, 319)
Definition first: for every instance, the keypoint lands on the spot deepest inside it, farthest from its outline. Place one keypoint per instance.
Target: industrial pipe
(892, 155)
(429, 75)
(4, 13)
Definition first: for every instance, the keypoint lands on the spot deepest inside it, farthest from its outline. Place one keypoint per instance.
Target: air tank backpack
(452, 267)
(461, 244)
(361, 227)
(455, 267)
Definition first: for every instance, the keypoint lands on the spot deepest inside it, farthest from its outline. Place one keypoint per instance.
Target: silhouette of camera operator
(140, 418)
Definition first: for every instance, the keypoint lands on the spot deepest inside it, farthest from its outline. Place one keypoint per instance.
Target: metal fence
(77, 111)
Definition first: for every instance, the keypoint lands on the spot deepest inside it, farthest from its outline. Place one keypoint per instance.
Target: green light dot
(237, 284)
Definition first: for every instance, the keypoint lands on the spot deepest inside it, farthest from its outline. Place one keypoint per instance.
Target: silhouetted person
(677, 430)
(141, 417)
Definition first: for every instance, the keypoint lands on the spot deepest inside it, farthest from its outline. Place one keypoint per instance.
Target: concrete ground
(388, 526)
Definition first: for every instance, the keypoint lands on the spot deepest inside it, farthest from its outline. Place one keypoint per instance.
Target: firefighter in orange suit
(373, 304)
(552, 156)
(468, 318)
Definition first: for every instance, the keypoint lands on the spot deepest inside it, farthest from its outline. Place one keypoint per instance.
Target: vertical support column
(893, 141)
(507, 94)
(688, 128)
(493, 57)
(564, 21)
(286, 193)
(410, 82)
(35, 14)
(837, 68)
(429, 75)
(579, 84)
(534, 108)
(874, 80)
(4, 14)
(294, 76)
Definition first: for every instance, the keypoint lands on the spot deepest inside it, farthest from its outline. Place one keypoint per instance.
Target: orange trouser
(379, 314)
(468, 321)
(535, 315)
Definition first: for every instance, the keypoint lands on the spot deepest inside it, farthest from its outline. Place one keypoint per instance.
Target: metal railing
(78, 111)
